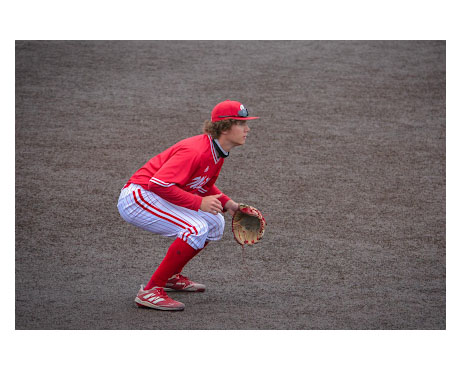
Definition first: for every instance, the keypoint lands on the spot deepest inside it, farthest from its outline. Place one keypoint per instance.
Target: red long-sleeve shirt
(183, 173)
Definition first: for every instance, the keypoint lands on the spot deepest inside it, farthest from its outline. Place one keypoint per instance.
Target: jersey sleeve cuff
(223, 200)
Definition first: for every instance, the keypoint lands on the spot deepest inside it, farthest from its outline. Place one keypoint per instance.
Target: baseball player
(174, 195)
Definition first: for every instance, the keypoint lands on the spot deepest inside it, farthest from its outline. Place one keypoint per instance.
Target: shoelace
(182, 278)
(179, 278)
(161, 293)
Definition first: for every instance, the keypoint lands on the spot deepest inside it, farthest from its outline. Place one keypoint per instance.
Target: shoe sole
(141, 303)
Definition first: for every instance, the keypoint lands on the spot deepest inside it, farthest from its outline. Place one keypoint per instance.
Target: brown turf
(347, 164)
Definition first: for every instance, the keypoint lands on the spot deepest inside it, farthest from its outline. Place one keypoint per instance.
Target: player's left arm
(231, 206)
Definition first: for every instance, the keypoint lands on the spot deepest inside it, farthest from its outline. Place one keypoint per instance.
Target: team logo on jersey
(198, 183)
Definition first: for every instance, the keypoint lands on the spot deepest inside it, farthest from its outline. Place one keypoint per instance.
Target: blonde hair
(216, 128)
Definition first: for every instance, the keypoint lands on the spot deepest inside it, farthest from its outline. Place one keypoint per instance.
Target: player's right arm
(176, 195)
(179, 197)
(211, 204)
(177, 170)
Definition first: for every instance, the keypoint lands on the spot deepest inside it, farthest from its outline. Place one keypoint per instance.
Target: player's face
(238, 133)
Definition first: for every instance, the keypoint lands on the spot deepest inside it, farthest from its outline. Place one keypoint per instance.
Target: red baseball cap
(230, 109)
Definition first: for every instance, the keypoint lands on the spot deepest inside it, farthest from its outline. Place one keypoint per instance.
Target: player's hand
(211, 204)
(231, 206)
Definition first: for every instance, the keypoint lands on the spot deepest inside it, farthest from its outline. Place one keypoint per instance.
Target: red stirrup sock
(195, 253)
(178, 255)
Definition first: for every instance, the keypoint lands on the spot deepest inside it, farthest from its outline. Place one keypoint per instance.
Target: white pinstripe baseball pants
(150, 212)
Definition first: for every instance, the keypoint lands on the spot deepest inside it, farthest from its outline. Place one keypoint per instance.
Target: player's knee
(221, 227)
(217, 228)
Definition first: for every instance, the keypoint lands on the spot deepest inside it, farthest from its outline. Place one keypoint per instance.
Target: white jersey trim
(215, 156)
(161, 183)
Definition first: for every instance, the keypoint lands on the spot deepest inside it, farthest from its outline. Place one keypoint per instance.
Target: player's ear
(224, 132)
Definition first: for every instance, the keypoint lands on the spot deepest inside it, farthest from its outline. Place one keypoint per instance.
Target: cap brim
(243, 118)
(236, 118)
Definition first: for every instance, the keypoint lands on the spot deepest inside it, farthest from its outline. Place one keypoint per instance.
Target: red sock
(178, 255)
(195, 253)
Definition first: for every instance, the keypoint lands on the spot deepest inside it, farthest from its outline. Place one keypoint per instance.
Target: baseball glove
(248, 225)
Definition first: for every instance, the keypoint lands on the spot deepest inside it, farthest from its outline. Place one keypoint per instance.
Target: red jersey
(184, 173)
